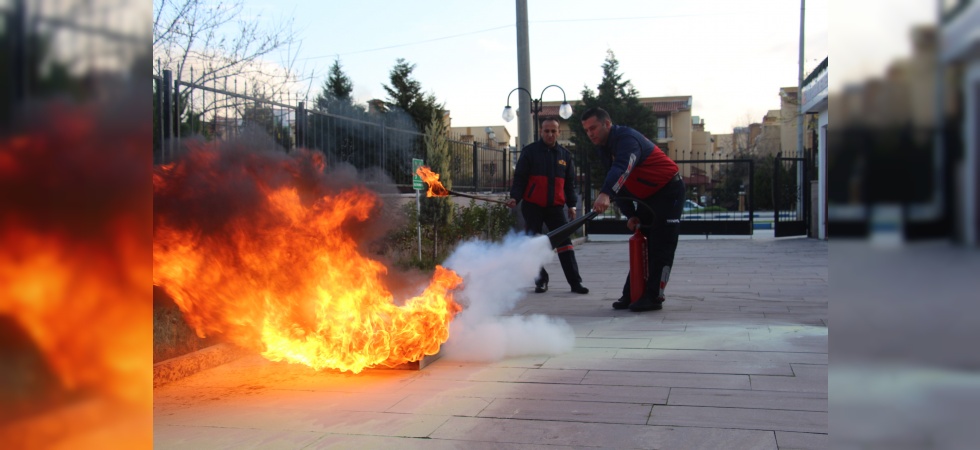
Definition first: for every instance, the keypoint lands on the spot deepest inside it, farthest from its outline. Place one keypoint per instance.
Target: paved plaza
(737, 359)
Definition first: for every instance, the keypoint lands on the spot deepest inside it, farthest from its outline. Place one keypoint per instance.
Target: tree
(405, 94)
(207, 41)
(438, 210)
(621, 100)
(43, 74)
(336, 89)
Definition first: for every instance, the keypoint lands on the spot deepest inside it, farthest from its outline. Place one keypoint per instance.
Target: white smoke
(495, 277)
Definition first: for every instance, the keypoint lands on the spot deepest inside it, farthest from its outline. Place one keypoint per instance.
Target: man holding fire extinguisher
(638, 171)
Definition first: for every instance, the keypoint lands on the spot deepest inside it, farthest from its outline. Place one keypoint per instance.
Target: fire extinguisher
(639, 272)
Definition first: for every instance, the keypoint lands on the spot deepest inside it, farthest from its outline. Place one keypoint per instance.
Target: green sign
(417, 183)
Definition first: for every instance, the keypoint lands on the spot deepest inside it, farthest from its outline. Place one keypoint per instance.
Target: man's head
(549, 131)
(597, 124)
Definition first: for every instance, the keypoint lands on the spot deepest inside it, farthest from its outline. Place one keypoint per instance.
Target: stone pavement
(737, 359)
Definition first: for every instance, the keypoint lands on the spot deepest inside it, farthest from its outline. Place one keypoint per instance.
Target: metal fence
(718, 199)
(80, 50)
(385, 141)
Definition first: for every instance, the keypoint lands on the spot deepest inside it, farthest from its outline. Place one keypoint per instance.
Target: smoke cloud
(495, 276)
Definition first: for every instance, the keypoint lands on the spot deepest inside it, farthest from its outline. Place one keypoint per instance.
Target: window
(663, 128)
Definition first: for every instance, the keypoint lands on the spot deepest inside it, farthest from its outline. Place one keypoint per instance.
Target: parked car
(690, 205)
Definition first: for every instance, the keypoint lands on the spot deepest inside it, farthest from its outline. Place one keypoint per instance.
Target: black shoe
(579, 289)
(646, 303)
(540, 287)
(622, 303)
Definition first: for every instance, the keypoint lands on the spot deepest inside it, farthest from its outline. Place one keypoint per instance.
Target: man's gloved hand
(633, 223)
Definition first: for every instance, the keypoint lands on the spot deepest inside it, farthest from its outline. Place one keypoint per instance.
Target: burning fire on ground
(436, 189)
(74, 280)
(263, 249)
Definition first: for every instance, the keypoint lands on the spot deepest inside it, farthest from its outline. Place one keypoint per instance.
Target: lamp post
(565, 110)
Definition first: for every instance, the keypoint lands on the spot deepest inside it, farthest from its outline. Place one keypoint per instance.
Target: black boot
(622, 303)
(570, 267)
(541, 282)
(646, 303)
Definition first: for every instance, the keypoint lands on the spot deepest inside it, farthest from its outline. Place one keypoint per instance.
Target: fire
(260, 248)
(74, 276)
(436, 189)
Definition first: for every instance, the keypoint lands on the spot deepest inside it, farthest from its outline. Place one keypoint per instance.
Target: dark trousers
(661, 226)
(554, 217)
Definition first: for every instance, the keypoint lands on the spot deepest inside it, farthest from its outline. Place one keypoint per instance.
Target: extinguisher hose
(640, 202)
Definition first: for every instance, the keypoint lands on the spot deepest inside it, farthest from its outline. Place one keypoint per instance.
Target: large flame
(436, 189)
(282, 272)
(74, 278)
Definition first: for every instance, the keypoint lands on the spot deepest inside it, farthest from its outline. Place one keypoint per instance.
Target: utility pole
(800, 176)
(523, 76)
(799, 88)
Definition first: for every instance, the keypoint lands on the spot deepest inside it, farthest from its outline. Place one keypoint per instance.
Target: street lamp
(565, 110)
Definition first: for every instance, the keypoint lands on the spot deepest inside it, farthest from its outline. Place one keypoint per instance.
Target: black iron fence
(78, 50)
(367, 140)
(903, 165)
(718, 200)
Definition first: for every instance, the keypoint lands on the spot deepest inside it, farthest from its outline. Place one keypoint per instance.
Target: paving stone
(728, 398)
(802, 441)
(189, 436)
(568, 411)
(703, 380)
(739, 418)
(723, 355)
(584, 435)
(643, 365)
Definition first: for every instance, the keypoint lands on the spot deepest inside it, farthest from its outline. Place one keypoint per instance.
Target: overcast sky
(731, 56)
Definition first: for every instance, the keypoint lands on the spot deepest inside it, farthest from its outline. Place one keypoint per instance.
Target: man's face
(549, 132)
(598, 131)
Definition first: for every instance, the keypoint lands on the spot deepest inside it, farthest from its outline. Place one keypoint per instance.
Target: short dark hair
(600, 114)
(549, 119)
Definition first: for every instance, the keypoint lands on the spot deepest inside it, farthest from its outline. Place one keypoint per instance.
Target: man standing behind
(545, 180)
(640, 171)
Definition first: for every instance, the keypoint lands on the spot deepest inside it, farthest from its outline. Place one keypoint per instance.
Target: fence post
(301, 124)
(167, 117)
(476, 165)
(19, 34)
(504, 173)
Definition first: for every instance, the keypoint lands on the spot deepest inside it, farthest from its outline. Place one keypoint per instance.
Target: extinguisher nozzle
(558, 235)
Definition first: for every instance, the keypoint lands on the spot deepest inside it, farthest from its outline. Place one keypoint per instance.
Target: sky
(730, 56)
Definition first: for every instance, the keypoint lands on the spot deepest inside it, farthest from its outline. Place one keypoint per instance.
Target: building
(815, 102)
(961, 52)
(495, 136)
(766, 140)
(673, 116)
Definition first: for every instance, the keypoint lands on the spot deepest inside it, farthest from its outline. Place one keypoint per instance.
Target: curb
(186, 365)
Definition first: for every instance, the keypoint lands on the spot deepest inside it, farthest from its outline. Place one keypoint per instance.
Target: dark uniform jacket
(545, 176)
(636, 167)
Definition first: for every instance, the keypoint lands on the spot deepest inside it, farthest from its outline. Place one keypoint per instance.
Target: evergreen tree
(621, 100)
(405, 94)
(336, 89)
(437, 210)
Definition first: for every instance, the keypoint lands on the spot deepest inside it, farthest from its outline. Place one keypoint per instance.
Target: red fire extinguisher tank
(639, 272)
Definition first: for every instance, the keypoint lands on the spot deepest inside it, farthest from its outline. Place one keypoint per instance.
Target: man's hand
(571, 213)
(601, 203)
(511, 203)
(633, 223)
